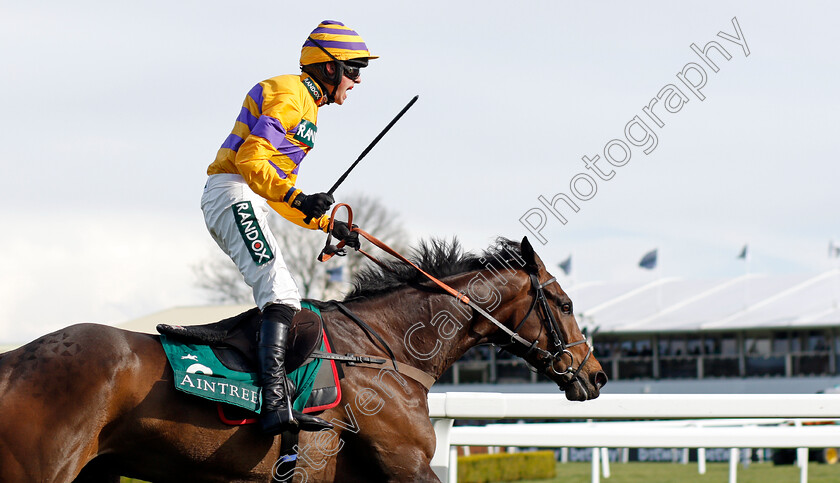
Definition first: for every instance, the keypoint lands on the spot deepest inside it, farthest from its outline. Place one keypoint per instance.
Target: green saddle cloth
(199, 372)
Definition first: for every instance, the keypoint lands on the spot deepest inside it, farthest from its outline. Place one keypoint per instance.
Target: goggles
(352, 73)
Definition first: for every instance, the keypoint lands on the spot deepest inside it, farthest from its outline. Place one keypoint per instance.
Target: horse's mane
(437, 257)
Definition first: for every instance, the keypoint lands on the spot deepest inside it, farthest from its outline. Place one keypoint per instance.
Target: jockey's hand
(313, 206)
(343, 232)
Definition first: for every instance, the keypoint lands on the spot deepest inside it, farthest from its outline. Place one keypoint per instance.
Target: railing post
(453, 465)
(701, 461)
(734, 456)
(801, 453)
(802, 461)
(605, 462)
(441, 461)
(596, 467)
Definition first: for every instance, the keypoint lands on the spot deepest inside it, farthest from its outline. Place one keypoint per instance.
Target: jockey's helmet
(332, 41)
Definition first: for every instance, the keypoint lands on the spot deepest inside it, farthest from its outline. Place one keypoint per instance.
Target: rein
(547, 317)
(330, 250)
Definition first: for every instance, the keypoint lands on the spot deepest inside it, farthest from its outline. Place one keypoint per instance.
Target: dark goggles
(351, 72)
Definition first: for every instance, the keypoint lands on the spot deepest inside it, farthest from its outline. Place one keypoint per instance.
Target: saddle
(234, 340)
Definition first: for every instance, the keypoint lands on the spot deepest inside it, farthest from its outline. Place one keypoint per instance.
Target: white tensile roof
(750, 301)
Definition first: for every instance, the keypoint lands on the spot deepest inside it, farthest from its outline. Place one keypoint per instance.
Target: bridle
(549, 323)
(547, 320)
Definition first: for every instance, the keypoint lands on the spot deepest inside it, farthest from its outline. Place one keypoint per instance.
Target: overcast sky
(111, 112)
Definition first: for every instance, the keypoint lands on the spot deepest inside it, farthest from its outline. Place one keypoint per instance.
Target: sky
(111, 112)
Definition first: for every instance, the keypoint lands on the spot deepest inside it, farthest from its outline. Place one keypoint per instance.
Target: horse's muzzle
(583, 386)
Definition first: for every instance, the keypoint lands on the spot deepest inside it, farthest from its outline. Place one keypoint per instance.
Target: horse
(91, 402)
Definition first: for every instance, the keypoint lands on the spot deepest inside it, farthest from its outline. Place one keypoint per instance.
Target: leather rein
(547, 319)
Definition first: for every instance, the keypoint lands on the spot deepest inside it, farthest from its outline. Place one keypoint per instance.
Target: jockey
(259, 162)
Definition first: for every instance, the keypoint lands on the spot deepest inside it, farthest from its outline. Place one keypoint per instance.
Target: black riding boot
(276, 413)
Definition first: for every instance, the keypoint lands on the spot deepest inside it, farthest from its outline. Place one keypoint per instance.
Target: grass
(687, 473)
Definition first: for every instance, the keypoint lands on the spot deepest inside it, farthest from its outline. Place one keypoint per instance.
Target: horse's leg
(384, 425)
(406, 443)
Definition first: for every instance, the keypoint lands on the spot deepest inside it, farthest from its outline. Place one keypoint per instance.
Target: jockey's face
(345, 85)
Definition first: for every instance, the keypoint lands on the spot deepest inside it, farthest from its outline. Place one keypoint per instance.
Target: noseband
(560, 347)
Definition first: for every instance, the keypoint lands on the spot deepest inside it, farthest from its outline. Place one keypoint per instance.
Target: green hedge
(506, 467)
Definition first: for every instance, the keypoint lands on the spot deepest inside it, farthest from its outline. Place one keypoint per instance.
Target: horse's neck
(430, 331)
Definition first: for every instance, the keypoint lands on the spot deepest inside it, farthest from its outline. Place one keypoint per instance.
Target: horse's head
(513, 302)
(546, 333)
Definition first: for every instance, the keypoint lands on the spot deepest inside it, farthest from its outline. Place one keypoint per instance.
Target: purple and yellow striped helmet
(340, 41)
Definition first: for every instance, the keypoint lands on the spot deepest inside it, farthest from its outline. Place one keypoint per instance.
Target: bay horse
(91, 402)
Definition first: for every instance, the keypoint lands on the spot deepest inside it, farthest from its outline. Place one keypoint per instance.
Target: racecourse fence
(755, 421)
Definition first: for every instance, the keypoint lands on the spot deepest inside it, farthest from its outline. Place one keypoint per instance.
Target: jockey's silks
(275, 130)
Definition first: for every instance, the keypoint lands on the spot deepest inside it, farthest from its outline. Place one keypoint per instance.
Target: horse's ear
(529, 256)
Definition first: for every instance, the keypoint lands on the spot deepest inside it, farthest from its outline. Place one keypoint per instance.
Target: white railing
(444, 408)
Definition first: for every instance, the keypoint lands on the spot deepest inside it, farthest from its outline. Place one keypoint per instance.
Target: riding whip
(367, 149)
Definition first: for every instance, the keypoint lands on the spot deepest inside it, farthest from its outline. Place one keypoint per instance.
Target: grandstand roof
(751, 301)
(747, 302)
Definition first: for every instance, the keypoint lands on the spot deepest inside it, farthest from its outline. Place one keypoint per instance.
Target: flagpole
(658, 284)
(747, 279)
(572, 284)
(566, 267)
(650, 261)
(572, 287)
(745, 255)
(834, 253)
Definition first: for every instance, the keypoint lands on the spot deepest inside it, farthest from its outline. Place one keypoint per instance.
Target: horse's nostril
(600, 379)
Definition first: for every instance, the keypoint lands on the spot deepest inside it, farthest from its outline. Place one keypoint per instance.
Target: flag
(833, 250)
(336, 274)
(649, 260)
(566, 265)
(743, 254)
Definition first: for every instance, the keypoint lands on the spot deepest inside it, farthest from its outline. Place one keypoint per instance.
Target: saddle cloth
(217, 361)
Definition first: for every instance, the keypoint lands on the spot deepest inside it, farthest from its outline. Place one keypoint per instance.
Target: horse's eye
(566, 308)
